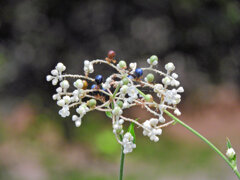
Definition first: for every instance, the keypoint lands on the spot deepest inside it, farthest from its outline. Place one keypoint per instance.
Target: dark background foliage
(34, 35)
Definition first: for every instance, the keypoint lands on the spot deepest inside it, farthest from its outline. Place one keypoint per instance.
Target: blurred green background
(200, 36)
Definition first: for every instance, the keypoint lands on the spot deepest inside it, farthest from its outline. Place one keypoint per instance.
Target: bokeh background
(201, 37)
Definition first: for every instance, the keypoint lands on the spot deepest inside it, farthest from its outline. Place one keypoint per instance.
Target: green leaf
(108, 114)
(228, 144)
(131, 130)
(234, 158)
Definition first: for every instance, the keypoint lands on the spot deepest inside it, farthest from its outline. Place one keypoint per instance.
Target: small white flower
(132, 93)
(107, 84)
(56, 97)
(175, 75)
(125, 104)
(166, 80)
(49, 78)
(60, 67)
(54, 81)
(124, 89)
(77, 120)
(180, 90)
(67, 99)
(82, 110)
(230, 153)
(64, 112)
(65, 84)
(88, 67)
(177, 112)
(158, 88)
(78, 123)
(170, 67)
(61, 102)
(117, 111)
(117, 126)
(54, 72)
(59, 90)
(171, 97)
(78, 84)
(133, 67)
(161, 119)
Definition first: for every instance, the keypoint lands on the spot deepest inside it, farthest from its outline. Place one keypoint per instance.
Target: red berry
(111, 54)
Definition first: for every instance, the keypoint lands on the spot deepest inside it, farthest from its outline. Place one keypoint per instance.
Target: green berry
(150, 77)
(125, 81)
(149, 98)
(153, 58)
(92, 103)
(120, 104)
(122, 64)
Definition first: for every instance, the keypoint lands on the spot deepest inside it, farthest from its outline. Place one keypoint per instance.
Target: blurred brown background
(200, 36)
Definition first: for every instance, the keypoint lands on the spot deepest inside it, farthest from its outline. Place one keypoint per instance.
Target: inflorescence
(119, 91)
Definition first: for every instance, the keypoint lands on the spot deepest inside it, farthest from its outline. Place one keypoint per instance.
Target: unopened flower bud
(125, 81)
(230, 153)
(124, 89)
(149, 98)
(170, 66)
(120, 104)
(78, 83)
(49, 78)
(60, 67)
(122, 64)
(153, 60)
(92, 103)
(64, 84)
(150, 77)
(61, 102)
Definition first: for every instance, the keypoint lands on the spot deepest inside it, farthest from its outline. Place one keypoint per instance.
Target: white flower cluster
(118, 126)
(127, 143)
(151, 129)
(56, 74)
(119, 91)
(107, 84)
(88, 67)
(81, 110)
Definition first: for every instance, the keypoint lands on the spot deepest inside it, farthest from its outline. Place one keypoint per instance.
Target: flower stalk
(122, 90)
(121, 162)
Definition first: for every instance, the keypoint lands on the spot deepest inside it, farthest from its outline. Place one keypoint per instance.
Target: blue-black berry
(131, 76)
(138, 72)
(99, 79)
(94, 86)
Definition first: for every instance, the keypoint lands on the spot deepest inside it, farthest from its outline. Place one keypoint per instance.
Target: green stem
(206, 141)
(122, 154)
(121, 163)
(116, 90)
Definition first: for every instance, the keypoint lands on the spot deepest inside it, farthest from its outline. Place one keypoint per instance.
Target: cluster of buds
(121, 90)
